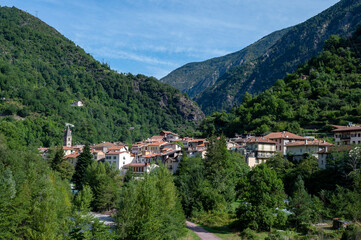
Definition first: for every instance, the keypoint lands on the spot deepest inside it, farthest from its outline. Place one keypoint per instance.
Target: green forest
(324, 91)
(42, 73)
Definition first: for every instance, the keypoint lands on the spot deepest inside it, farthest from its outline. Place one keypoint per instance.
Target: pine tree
(300, 204)
(84, 160)
(150, 208)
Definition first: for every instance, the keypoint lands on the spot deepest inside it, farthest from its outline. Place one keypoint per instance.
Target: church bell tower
(67, 137)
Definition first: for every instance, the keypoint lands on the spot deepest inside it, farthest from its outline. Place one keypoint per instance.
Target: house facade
(258, 150)
(298, 149)
(118, 159)
(347, 135)
(282, 139)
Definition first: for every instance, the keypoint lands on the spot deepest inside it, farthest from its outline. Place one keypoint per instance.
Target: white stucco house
(118, 159)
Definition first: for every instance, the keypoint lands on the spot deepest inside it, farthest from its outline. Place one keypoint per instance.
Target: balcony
(345, 137)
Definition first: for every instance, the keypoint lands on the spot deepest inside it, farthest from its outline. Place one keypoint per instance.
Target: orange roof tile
(346, 128)
(152, 155)
(115, 153)
(104, 144)
(197, 140)
(288, 135)
(260, 140)
(310, 143)
(157, 143)
(72, 156)
(116, 148)
(168, 132)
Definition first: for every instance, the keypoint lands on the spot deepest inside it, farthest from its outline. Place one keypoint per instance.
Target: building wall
(300, 150)
(347, 138)
(322, 160)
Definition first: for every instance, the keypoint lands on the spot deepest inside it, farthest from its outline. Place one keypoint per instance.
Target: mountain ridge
(296, 46)
(218, 66)
(42, 73)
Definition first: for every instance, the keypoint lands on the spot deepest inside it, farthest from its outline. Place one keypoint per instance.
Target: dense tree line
(279, 194)
(150, 208)
(324, 91)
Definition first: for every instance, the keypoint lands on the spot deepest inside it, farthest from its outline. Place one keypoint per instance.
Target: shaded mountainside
(193, 78)
(299, 44)
(324, 91)
(42, 73)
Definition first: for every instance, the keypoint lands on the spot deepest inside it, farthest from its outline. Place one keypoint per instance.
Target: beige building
(298, 149)
(347, 135)
(282, 139)
(258, 150)
(169, 136)
(104, 146)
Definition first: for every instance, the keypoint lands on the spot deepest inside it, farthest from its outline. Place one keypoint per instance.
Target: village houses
(168, 148)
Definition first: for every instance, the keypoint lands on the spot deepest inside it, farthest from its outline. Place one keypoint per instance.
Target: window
(123, 158)
(114, 157)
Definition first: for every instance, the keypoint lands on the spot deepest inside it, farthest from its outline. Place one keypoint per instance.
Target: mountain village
(168, 148)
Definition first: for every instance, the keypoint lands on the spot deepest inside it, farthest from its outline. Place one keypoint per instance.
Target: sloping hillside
(299, 44)
(42, 73)
(193, 78)
(326, 90)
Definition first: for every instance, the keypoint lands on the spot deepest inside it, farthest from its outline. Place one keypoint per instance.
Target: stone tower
(67, 137)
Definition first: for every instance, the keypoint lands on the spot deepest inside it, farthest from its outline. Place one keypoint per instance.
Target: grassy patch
(191, 235)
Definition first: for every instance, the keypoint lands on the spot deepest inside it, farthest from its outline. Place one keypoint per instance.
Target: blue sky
(154, 37)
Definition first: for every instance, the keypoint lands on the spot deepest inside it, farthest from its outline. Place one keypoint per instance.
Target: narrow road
(203, 234)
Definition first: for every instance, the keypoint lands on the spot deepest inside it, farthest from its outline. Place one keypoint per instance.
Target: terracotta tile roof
(197, 140)
(169, 151)
(168, 132)
(310, 143)
(104, 144)
(260, 140)
(152, 155)
(115, 153)
(346, 128)
(67, 148)
(201, 145)
(157, 143)
(156, 138)
(72, 156)
(288, 135)
(116, 148)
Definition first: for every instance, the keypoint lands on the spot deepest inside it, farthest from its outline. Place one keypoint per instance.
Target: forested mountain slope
(193, 78)
(42, 73)
(299, 44)
(326, 90)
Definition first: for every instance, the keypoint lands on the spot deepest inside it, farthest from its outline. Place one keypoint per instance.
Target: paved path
(203, 234)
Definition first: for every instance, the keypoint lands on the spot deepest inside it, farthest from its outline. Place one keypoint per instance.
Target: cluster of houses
(168, 148)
